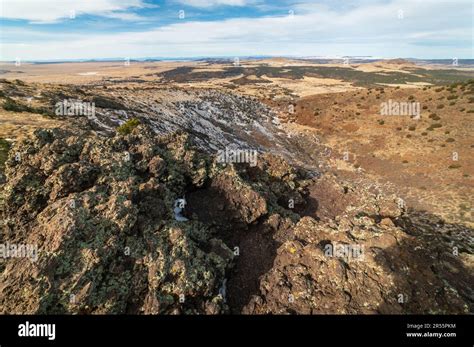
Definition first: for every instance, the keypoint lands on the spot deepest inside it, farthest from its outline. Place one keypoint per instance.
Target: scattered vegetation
(127, 127)
(454, 166)
(15, 106)
(434, 126)
(4, 148)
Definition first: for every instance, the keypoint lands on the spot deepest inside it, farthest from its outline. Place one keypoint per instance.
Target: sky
(36, 30)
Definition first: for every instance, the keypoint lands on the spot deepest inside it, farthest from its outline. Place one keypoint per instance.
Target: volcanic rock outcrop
(256, 240)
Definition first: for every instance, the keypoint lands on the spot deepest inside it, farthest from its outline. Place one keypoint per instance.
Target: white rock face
(215, 119)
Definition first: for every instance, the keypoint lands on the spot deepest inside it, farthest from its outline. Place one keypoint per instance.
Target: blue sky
(87, 29)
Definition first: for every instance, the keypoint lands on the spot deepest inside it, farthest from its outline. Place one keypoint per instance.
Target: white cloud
(50, 11)
(374, 30)
(212, 3)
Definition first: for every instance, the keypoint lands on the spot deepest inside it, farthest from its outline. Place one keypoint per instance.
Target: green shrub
(127, 127)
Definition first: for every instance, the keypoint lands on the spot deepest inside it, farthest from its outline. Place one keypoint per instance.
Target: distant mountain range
(320, 60)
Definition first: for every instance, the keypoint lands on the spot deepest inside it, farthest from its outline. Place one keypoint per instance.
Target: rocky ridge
(100, 210)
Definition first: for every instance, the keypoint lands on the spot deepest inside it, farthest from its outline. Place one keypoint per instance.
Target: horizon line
(225, 57)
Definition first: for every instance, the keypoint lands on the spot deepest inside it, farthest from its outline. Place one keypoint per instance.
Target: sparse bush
(14, 106)
(454, 166)
(452, 97)
(4, 148)
(440, 106)
(412, 128)
(434, 126)
(450, 139)
(127, 127)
